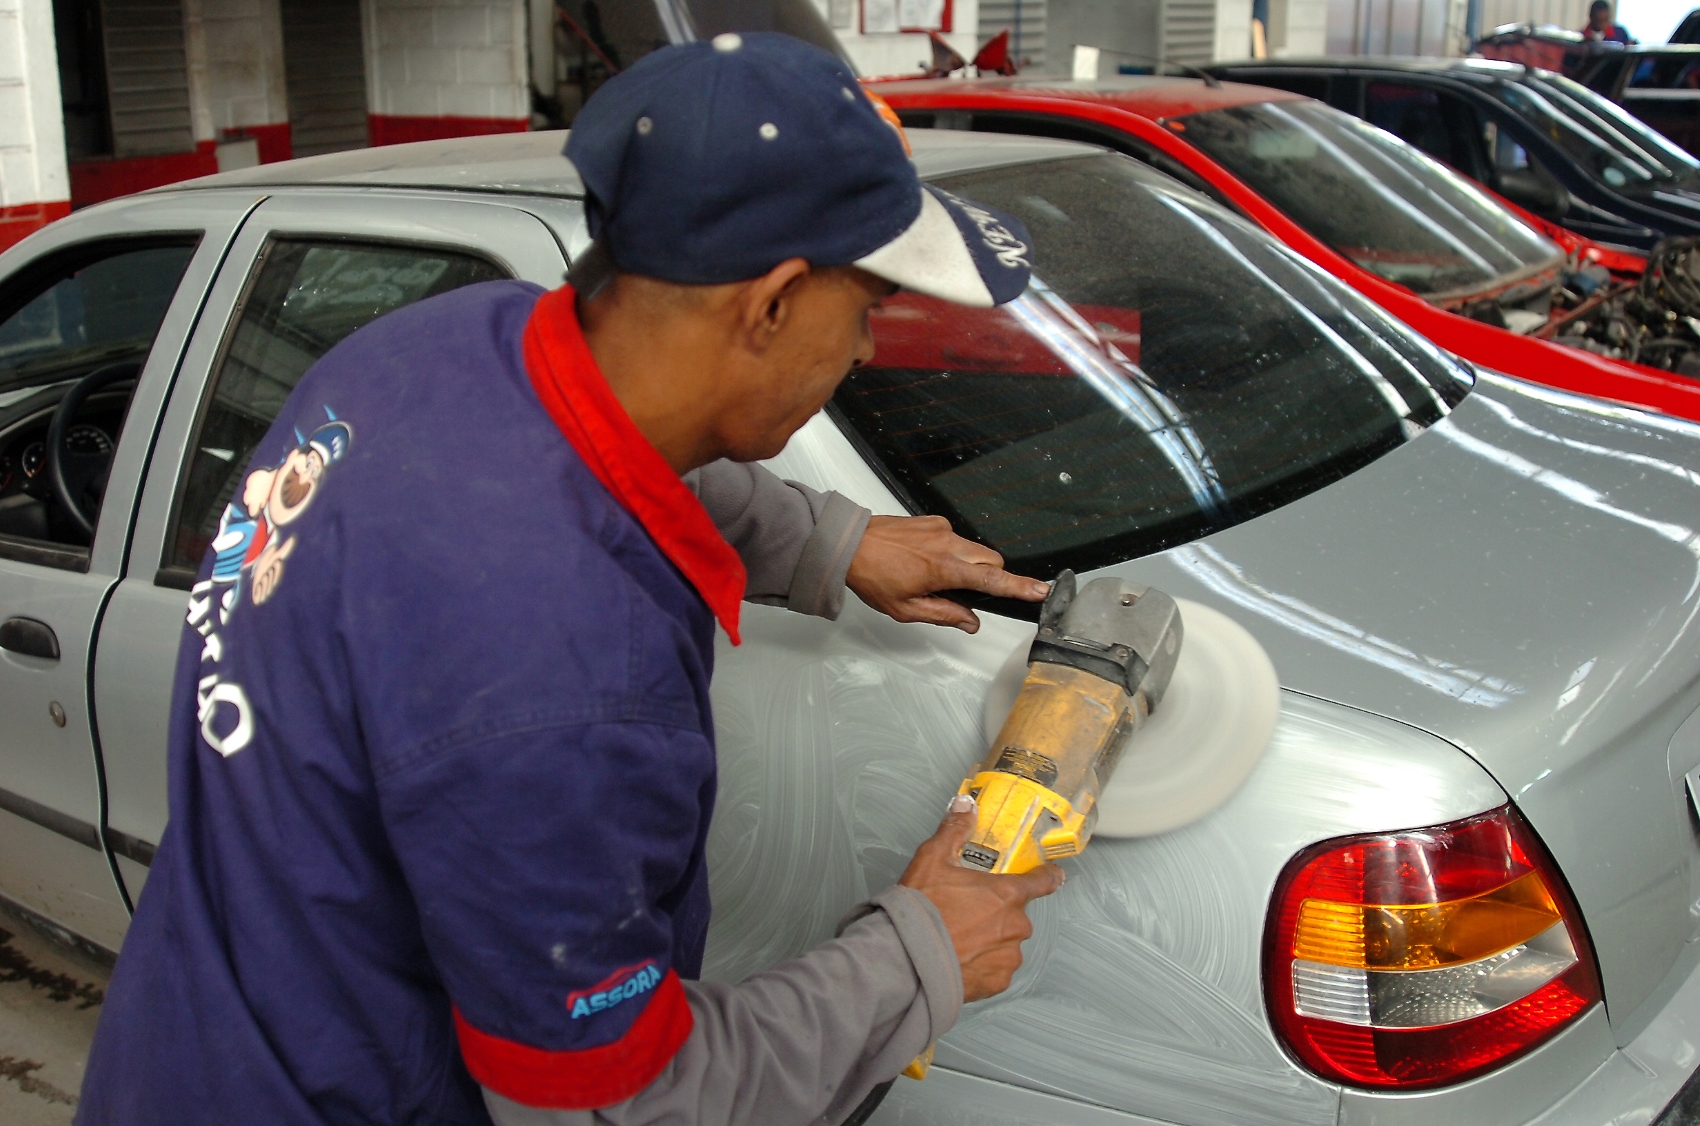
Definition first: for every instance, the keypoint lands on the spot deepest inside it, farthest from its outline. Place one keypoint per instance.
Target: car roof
(1148, 95)
(531, 163)
(1463, 68)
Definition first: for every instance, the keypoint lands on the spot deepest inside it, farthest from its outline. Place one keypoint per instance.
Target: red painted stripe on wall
(388, 129)
(96, 180)
(24, 219)
(273, 140)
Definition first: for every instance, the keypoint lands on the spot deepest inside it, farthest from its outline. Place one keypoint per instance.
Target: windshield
(1170, 372)
(1647, 144)
(1600, 148)
(1377, 200)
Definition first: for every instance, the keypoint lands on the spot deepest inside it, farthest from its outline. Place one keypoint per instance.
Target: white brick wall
(1306, 32)
(235, 64)
(447, 58)
(32, 134)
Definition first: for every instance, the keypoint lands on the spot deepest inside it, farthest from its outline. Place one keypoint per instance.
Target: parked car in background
(1478, 593)
(1659, 85)
(1420, 240)
(1543, 141)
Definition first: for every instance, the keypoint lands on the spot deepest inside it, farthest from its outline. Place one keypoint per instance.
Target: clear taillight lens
(1421, 958)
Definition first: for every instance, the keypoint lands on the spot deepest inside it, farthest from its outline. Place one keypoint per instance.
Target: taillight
(1420, 958)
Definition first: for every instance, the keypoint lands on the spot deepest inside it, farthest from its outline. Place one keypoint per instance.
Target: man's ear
(768, 300)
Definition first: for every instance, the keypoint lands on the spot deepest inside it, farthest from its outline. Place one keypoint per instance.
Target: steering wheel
(71, 474)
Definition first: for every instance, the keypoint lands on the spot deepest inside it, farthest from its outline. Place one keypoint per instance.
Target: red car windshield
(1172, 371)
(1373, 198)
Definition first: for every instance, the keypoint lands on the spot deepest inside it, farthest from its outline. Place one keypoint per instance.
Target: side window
(1666, 72)
(1519, 177)
(304, 296)
(1310, 85)
(79, 322)
(1411, 113)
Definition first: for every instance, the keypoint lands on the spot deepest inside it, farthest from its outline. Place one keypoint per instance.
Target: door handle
(29, 637)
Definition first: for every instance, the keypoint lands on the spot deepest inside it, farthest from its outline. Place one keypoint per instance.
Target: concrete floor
(49, 1001)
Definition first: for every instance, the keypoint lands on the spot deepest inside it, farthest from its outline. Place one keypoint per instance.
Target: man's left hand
(904, 560)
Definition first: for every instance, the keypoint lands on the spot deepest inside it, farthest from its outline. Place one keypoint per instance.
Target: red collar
(577, 396)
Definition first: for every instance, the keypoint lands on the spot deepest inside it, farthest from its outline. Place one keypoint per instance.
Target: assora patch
(621, 985)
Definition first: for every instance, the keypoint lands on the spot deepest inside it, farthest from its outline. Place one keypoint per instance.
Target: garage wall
(1406, 27)
(1565, 13)
(236, 75)
(35, 186)
(442, 68)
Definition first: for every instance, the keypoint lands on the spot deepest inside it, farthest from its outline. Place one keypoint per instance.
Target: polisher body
(1100, 663)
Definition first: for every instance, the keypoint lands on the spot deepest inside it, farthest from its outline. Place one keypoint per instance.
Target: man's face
(825, 334)
(1600, 18)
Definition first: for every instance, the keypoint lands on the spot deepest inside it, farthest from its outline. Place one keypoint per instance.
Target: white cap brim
(931, 257)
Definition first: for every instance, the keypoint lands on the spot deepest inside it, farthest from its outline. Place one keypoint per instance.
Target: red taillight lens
(1421, 958)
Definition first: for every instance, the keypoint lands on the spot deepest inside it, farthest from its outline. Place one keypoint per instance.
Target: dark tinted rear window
(1171, 372)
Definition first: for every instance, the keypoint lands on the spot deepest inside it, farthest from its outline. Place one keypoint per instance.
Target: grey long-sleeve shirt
(804, 1042)
(796, 543)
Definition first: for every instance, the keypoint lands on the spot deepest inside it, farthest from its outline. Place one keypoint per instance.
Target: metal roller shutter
(324, 71)
(147, 77)
(1189, 31)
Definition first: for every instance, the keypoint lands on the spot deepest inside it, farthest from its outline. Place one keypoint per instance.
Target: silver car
(1463, 884)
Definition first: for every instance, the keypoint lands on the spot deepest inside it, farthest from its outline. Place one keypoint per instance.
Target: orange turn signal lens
(1424, 936)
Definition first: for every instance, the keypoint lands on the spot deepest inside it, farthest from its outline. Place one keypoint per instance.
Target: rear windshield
(1601, 148)
(1625, 133)
(1171, 372)
(1377, 200)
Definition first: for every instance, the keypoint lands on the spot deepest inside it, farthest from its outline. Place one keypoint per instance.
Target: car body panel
(1572, 714)
(51, 771)
(1141, 989)
(143, 624)
(1126, 113)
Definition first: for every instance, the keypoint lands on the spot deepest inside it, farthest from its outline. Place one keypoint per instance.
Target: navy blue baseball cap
(715, 161)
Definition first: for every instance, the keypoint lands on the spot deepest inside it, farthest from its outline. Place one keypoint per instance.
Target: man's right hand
(985, 914)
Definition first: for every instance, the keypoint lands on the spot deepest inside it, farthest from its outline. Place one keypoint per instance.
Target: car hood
(1522, 580)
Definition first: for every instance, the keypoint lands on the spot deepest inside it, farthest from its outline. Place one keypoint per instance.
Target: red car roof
(1150, 96)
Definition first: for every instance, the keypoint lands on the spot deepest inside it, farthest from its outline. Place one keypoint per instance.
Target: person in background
(1600, 27)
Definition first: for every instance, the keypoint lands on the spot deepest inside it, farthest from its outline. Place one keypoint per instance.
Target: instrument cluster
(24, 459)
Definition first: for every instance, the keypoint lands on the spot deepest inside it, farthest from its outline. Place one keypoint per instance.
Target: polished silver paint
(1524, 581)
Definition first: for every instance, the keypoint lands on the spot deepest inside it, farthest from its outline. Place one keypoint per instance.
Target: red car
(1476, 275)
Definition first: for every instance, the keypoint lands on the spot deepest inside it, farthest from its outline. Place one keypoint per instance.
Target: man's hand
(985, 914)
(904, 560)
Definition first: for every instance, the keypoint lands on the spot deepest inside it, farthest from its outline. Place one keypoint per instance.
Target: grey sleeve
(803, 1043)
(796, 543)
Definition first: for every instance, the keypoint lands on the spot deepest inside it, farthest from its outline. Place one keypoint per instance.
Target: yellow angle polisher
(1104, 660)
(1099, 665)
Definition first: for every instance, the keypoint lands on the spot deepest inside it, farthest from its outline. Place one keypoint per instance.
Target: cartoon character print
(250, 536)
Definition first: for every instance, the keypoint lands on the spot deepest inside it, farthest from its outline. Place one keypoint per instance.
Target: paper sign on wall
(890, 16)
(927, 14)
(879, 16)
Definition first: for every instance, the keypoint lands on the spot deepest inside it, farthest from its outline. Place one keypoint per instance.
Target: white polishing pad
(1214, 723)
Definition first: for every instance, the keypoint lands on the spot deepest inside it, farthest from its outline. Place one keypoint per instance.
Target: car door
(110, 295)
(1664, 91)
(308, 269)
